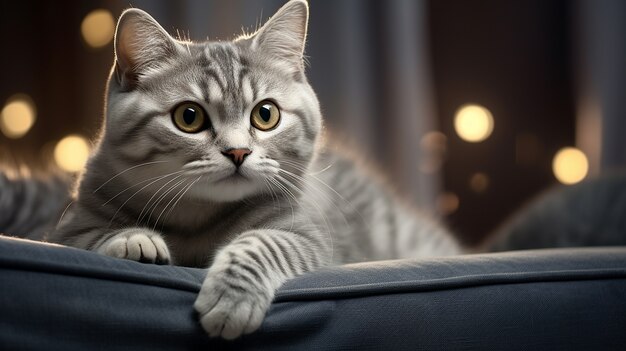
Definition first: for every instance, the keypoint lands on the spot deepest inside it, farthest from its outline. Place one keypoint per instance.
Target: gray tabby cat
(211, 155)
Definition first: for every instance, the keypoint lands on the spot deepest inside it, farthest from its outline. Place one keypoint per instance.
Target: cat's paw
(228, 308)
(140, 245)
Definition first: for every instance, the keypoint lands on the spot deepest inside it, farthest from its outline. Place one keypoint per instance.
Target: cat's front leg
(137, 244)
(240, 284)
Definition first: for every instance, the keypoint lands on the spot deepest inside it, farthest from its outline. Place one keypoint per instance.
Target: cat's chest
(193, 240)
(195, 250)
(195, 245)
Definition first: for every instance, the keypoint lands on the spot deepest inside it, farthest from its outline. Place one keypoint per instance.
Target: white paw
(140, 245)
(228, 308)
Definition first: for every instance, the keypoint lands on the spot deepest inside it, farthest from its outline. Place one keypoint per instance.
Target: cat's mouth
(234, 177)
(231, 187)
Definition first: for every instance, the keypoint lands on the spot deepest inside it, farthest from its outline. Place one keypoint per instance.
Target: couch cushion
(65, 298)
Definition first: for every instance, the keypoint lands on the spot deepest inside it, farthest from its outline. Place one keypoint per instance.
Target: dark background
(551, 72)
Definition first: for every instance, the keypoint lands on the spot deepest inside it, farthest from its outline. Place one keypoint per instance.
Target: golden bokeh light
(479, 182)
(473, 123)
(71, 153)
(570, 165)
(434, 141)
(447, 203)
(98, 28)
(17, 116)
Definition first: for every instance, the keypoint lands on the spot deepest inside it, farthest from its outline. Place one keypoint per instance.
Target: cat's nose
(237, 155)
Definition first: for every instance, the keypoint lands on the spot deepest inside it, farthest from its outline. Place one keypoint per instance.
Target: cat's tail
(591, 213)
(31, 205)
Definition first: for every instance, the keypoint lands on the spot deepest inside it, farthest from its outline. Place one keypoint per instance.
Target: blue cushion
(54, 297)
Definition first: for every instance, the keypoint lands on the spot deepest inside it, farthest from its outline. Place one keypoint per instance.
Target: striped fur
(28, 203)
(153, 193)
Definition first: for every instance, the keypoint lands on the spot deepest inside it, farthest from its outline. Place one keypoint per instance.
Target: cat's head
(229, 115)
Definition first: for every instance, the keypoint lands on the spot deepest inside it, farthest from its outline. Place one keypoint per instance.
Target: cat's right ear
(141, 45)
(284, 35)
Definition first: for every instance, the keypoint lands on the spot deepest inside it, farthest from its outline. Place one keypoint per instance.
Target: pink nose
(237, 155)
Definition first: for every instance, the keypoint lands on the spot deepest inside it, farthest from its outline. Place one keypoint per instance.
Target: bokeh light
(433, 145)
(447, 203)
(71, 153)
(570, 165)
(98, 28)
(479, 182)
(473, 123)
(18, 116)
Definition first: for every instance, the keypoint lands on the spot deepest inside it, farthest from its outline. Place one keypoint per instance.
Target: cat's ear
(284, 35)
(141, 45)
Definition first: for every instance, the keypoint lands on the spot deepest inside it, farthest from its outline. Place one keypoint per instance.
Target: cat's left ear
(284, 35)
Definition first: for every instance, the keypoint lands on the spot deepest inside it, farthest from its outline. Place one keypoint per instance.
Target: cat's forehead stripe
(225, 60)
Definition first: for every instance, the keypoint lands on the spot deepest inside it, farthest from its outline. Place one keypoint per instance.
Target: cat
(213, 155)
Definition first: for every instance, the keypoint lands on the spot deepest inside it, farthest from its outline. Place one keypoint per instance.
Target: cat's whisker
(321, 171)
(179, 198)
(142, 214)
(137, 192)
(162, 197)
(182, 190)
(313, 176)
(288, 194)
(307, 171)
(126, 170)
(310, 200)
(64, 211)
(300, 166)
(302, 181)
(311, 186)
(156, 222)
(306, 183)
(132, 186)
(347, 202)
(268, 185)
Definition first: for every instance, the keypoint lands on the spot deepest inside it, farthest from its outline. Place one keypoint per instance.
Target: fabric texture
(54, 297)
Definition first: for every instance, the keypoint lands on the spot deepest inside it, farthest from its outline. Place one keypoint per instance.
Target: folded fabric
(54, 297)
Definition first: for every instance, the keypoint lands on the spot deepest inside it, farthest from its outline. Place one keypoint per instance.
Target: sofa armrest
(54, 297)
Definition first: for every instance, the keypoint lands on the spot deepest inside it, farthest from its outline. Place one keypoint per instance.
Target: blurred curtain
(600, 26)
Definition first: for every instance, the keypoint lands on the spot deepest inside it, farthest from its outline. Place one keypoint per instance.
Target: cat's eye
(189, 117)
(265, 115)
